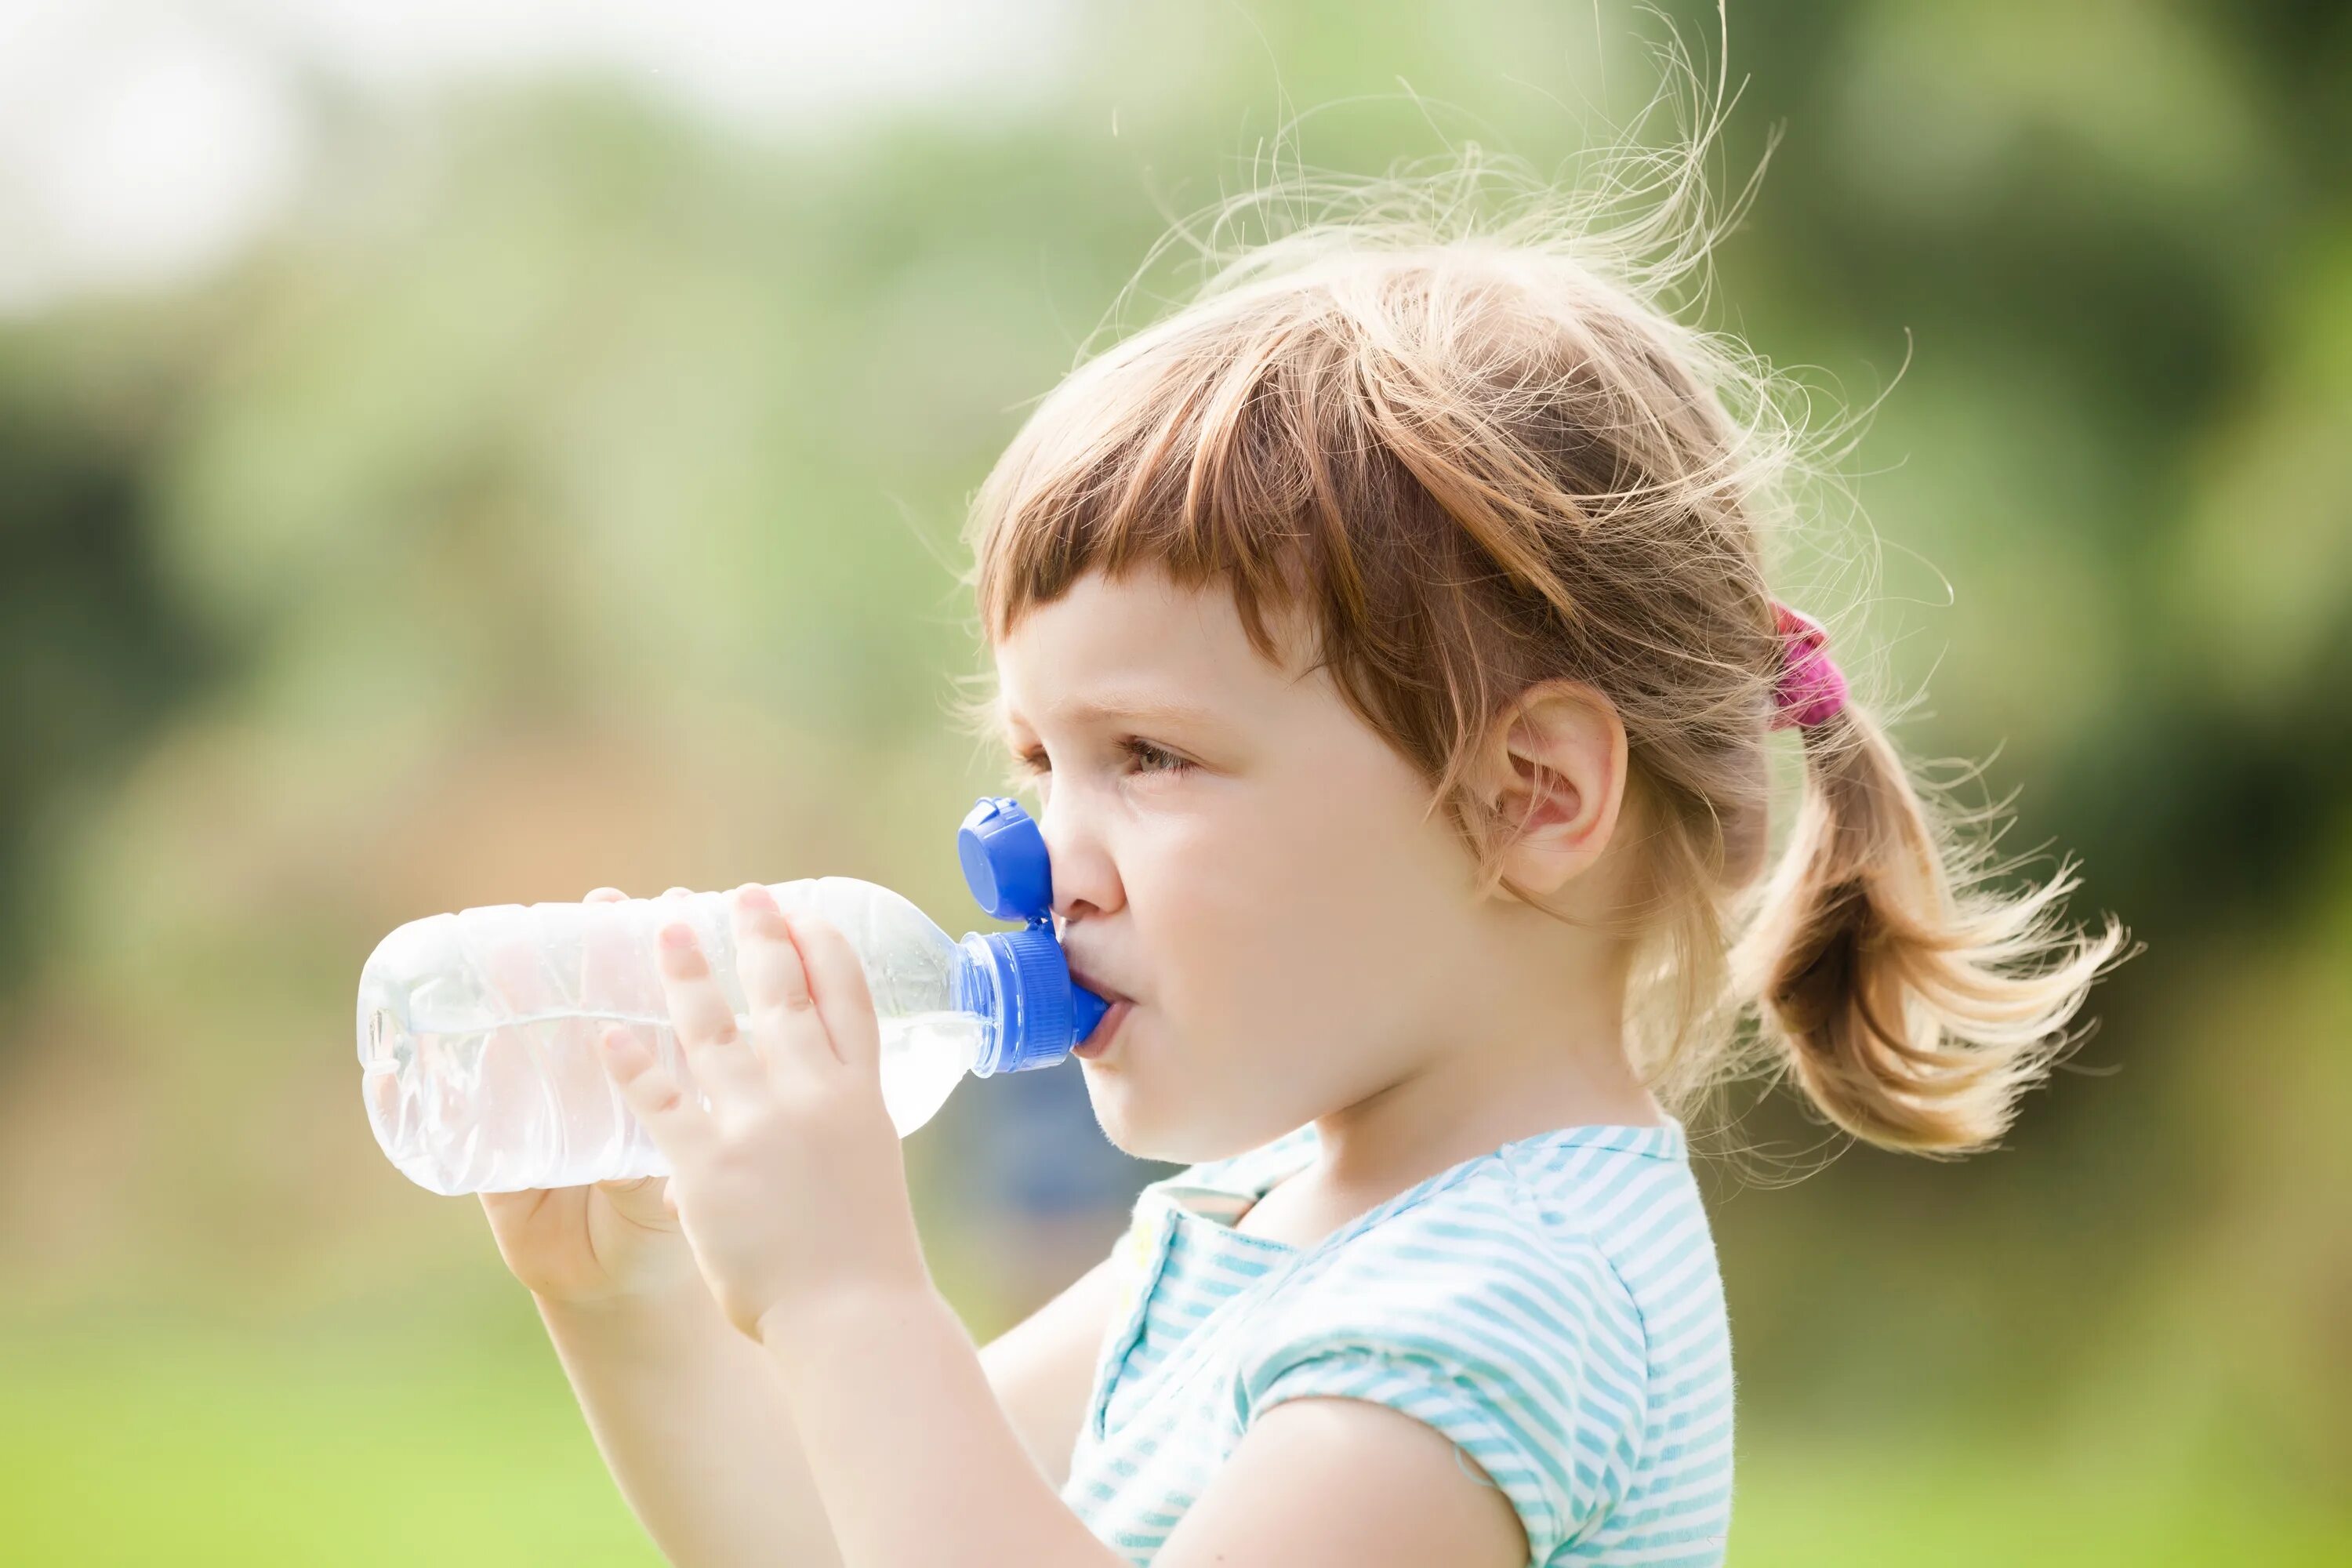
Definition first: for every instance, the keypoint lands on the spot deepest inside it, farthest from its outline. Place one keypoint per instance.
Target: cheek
(1295, 925)
(1188, 1098)
(1294, 956)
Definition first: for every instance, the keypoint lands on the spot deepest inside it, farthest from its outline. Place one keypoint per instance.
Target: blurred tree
(566, 494)
(97, 646)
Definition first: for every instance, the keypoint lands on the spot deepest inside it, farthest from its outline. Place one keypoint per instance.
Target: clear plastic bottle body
(478, 1030)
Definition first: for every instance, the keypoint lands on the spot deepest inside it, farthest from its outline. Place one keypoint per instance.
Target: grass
(1832, 1505)
(194, 1446)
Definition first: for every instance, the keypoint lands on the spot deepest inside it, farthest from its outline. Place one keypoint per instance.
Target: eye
(1149, 759)
(1152, 759)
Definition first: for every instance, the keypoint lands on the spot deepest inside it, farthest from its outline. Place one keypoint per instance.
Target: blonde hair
(1468, 437)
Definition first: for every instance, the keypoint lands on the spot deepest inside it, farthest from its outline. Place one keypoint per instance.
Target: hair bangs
(1183, 451)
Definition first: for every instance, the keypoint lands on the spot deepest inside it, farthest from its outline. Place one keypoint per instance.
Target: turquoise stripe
(1692, 1248)
(1713, 1498)
(1556, 1310)
(1624, 1374)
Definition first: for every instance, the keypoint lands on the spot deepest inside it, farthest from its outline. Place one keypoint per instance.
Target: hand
(608, 1241)
(792, 1187)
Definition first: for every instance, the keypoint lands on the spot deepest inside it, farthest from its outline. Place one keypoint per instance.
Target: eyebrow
(1139, 710)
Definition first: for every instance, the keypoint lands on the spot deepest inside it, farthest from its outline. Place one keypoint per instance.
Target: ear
(1555, 772)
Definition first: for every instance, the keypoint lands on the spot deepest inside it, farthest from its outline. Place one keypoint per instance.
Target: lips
(1082, 977)
(1095, 1044)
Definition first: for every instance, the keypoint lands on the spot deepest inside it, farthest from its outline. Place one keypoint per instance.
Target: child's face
(1293, 933)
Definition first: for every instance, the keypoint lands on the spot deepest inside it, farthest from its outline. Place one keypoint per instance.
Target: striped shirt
(1553, 1307)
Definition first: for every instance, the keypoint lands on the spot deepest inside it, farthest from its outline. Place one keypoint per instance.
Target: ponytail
(1904, 993)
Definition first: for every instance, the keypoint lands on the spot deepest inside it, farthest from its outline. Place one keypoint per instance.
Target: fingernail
(679, 936)
(752, 896)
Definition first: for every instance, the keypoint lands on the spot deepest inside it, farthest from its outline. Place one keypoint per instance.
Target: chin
(1113, 1099)
(1147, 1127)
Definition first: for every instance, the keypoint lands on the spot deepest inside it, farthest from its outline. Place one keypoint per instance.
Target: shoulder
(1490, 1309)
(1487, 1269)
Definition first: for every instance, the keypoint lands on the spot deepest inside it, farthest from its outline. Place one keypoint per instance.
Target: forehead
(1137, 642)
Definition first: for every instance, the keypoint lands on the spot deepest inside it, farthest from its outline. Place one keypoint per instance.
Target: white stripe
(1562, 1225)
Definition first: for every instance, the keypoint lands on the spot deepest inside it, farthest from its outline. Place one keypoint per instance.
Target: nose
(1086, 879)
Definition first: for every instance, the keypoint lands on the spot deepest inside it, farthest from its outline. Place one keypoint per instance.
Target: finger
(616, 983)
(517, 1065)
(600, 950)
(721, 1058)
(775, 983)
(646, 970)
(617, 975)
(837, 977)
(679, 1127)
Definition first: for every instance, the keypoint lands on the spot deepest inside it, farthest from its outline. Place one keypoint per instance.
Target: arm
(912, 1456)
(690, 1417)
(1333, 1481)
(1042, 1370)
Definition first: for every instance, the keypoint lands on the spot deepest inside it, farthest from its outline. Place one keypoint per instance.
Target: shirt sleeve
(1522, 1347)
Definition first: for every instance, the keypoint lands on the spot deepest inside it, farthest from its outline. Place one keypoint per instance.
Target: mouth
(1095, 1044)
(1081, 977)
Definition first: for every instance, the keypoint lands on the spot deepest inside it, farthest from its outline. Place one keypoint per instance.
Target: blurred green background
(539, 466)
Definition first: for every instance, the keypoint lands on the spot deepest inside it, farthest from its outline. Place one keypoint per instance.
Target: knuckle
(739, 1151)
(787, 1000)
(771, 1116)
(771, 1017)
(800, 1096)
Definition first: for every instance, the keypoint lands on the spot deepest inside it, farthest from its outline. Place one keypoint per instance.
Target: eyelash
(1034, 764)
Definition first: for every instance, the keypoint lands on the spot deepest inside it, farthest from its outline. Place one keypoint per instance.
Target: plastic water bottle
(479, 1030)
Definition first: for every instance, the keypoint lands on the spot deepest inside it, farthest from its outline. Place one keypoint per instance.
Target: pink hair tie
(1810, 687)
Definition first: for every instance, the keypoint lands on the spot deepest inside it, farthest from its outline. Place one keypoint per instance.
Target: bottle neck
(1023, 987)
(977, 991)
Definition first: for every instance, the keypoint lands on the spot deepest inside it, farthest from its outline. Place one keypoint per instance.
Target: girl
(1389, 637)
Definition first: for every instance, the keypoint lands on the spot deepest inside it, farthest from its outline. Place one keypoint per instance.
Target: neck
(1550, 1053)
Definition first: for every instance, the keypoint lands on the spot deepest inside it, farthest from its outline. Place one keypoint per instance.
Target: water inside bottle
(485, 1110)
(924, 1056)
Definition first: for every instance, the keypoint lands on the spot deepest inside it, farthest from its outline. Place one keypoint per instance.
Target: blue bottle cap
(1040, 1013)
(1004, 860)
